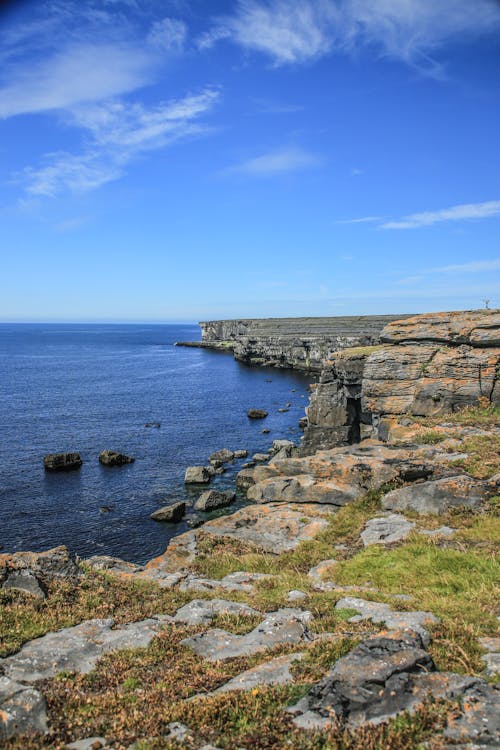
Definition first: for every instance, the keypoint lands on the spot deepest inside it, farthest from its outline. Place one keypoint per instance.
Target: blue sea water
(89, 387)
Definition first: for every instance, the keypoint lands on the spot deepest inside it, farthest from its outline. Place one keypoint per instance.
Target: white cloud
(119, 132)
(360, 220)
(169, 34)
(276, 162)
(475, 266)
(409, 30)
(462, 212)
(74, 75)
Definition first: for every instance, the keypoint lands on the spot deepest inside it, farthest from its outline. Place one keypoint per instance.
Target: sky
(179, 160)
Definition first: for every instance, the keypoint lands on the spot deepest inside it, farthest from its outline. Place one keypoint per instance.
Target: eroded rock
(62, 461)
(386, 529)
(197, 475)
(112, 458)
(171, 513)
(203, 611)
(213, 499)
(440, 495)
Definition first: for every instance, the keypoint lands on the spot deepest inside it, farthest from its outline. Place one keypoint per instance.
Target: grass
(483, 460)
(97, 595)
(360, 351)
(484, 413)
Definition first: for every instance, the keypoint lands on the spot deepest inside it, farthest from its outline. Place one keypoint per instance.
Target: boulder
(197, 475)
(257, 413)
(112, 458)
(386, 529)
(62, 461)
(241, 453)
(439, 496)
(221, 457)
(245, 479)
(280, 445)
(22, 709)
(260, 457)
(213, 499)
(172, 513)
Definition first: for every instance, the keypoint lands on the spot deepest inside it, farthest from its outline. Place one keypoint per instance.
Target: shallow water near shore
(90, 387)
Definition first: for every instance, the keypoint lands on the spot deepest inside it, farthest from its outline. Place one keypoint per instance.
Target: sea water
(86, 388)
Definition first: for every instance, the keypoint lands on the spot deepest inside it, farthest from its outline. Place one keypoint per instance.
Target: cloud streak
(461, 212)
(277, 162)
(119, 133)
(410, 30)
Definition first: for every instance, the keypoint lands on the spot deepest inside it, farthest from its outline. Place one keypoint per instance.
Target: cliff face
(299, 343)
(427, 365)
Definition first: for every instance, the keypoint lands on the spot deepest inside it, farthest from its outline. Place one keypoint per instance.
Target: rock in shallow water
(256, 413)
(62, 461)
(173, 513)
(112, 458)
(197, 475)
(213, 499)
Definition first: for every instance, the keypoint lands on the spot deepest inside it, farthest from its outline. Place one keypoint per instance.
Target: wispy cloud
(276, 162)
(360, 220)
(475, 266)
(119, 132)
(462, 212)
(411, 30)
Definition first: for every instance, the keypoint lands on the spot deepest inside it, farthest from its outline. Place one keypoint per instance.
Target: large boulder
(62, 461)
(112, 458)
(213, 499)
(197, 475)
(440, 495)
(222, 456)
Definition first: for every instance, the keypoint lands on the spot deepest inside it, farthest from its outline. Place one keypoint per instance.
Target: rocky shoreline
(355, 592)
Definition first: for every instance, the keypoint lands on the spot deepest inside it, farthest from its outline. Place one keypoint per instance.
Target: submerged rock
(62, 461)
(112, 458)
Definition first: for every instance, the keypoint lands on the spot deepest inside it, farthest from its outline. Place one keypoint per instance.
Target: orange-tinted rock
(474, 327)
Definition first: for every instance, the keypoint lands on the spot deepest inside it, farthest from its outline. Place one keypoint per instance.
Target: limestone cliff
(427, 365)
(299, 343)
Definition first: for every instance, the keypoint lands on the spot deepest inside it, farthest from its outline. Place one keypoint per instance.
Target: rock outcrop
(112, 458)
(300, 343)
(426, 365)
(62, 461)
(33, 572)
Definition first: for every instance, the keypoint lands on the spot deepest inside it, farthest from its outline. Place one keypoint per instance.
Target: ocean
(89, 387)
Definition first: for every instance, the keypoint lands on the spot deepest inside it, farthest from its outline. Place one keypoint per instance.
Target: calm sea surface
(89, 387)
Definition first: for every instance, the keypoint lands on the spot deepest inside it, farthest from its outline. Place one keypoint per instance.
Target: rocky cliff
(426, 365)
(300, 343)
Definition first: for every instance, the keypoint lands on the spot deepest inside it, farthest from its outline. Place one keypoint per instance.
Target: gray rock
(442, 531)
(265, 431)
(62, 461)
(241, 453)
(286, 626)
(75, 649)
(195, 522)
(438, 496)
(386, 529)
(379, 613)
(256, 413)
(213, 499)
(274, 672)
(239, 581)
(203, 611)
(24, 580)
(112, 564)
(177, 731)
(248, 465)
(296, 596)
(260, 457)
(245, 479)
(172, 513)
(22, 709)
(492, 655)
(197, 475)
(479, 719)
(222, 456)
(112, 458)
(90, 743)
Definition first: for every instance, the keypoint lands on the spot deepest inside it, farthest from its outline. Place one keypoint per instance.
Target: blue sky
(184, 160)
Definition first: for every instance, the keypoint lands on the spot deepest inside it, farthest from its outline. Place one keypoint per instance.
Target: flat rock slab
(239, 581)
(386, 529)
(76, 649)
(22, 709)
(382, 613)
(203, 611)
(272, 528)
(439, 496)
(286, 626)
(274, 672)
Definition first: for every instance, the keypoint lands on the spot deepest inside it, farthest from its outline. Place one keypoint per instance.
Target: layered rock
(300, 343)
(427, 365)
